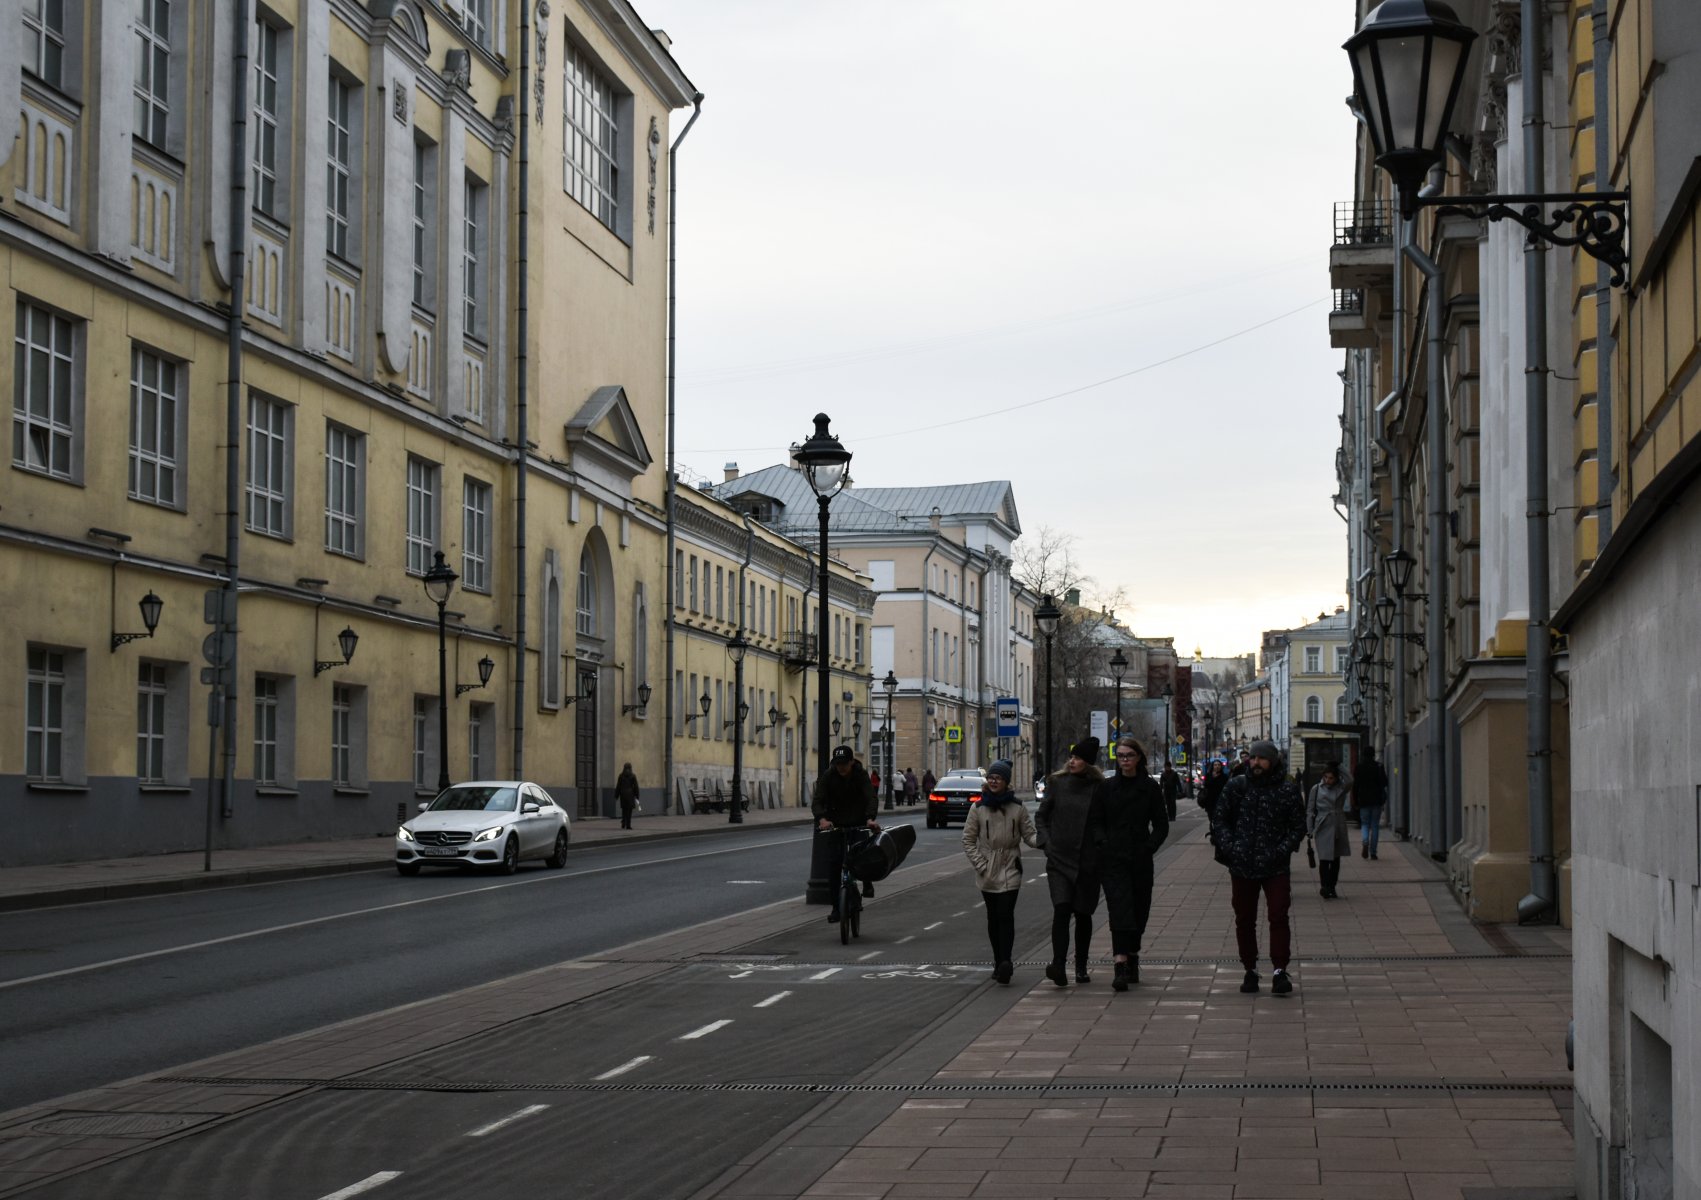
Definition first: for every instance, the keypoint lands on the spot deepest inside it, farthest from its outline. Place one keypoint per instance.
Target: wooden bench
(702, 801)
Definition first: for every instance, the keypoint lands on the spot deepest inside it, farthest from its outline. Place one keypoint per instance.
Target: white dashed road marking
(504, 1122)
(705, 1031)
(870, 954)
(623, 1068)
(823, 974)
(935, 925)
(365, 1185)
(771, 1000)
(906, 938)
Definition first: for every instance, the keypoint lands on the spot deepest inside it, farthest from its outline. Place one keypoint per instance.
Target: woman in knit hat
(1070, 864)
(993, 836)
(1127, 825)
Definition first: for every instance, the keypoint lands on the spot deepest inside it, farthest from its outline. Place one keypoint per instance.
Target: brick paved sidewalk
(1418, 1058)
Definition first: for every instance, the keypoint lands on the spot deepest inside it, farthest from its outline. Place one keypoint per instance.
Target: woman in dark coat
(1071, 869)
(1127, 825)
(626, 791)
(1215, 780)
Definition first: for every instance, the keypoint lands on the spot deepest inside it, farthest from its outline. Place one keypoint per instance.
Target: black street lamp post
(825, 464)
(735, 650)
(890, 684)
(1118, 668)
(1046, 616)
(439, 582)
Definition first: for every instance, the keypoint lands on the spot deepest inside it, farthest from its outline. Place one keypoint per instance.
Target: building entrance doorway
(585, 746)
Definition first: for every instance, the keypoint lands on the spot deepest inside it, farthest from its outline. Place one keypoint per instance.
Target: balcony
(1363, 253)
(1352, 320)
(797, 650)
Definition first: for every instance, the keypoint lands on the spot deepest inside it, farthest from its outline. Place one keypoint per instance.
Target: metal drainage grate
(1154, 960)
(1095, 1088)
(117, 1124)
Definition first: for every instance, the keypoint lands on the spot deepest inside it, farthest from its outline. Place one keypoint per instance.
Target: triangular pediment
(605, 428)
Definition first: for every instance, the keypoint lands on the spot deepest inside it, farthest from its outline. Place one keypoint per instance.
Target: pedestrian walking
(843, 799)
(1326, 825)
(1370, 793)
(1126, 826)
(993, 836)
(1259, 823)
(927, 782)
(911, 787)
(1071, 869)
(874, 780)
(1239, 767)
(626, 791)
(1171, 788)
(1216, 778)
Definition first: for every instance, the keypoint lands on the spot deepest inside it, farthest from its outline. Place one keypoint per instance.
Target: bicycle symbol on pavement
(921, 974)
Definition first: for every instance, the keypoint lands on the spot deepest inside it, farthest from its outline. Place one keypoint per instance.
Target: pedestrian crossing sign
(953, 733)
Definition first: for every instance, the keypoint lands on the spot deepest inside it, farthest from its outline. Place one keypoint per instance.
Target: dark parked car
(951, 797)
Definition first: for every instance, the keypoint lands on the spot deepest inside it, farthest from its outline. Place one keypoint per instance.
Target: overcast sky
(973, 232)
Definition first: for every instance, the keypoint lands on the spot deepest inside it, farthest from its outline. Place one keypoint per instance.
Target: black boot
(1055, 972)
(1081, 975)
(1133, 968)
(1120, 981)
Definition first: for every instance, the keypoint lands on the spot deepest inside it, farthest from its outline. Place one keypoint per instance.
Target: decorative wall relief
(399, 104)
(654, 142)
(457, 69)
(541, 24)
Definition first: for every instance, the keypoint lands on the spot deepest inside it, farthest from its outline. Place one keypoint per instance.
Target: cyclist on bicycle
(844, 798)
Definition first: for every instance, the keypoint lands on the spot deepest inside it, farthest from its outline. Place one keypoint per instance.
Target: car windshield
(475, 799)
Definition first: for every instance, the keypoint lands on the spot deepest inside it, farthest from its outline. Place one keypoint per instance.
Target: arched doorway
(593, 634)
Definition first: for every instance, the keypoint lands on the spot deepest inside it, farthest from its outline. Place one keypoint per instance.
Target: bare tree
(1045, 564)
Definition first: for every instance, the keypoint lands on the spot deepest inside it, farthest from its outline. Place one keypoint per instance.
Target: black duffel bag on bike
(880, 855)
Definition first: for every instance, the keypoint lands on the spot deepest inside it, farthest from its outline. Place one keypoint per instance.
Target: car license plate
(439, 851)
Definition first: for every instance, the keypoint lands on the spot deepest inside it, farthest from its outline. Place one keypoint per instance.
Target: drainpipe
(522, 392)
(1402, 815)
(1538, 642)
(1435, 634)
(926, 662)
(672, 478)
(233, 406)
(1606, 477)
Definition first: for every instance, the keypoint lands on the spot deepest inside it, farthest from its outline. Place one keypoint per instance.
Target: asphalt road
(98, 992)
(604, 1097)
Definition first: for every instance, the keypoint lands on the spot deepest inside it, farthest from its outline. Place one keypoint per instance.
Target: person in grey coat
(993, 837)
(1326, 824)
(1070, 860)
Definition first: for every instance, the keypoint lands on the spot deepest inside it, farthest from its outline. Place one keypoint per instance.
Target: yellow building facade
(393, 393)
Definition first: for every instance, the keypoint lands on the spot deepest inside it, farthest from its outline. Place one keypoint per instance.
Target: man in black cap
(1071, 861)
(844, 798)
(1258, 823)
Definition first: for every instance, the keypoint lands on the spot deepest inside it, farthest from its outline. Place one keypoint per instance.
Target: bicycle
(850, 887)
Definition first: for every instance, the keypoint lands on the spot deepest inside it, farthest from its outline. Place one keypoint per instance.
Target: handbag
(1310, 854)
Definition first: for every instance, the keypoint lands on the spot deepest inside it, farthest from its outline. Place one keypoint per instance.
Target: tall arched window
(552, 643)
(585, 612)
(1313, 708)
(1342, 710)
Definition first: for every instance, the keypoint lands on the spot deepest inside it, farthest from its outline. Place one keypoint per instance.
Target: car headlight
(405, 834)
(489, 835)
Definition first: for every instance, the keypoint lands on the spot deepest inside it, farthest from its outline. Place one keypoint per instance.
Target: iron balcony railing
(1363, 223)
(1349, 301)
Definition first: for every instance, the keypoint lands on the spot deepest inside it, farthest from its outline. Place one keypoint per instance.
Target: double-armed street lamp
(825, 464)
(439, 581)
(1046, 616)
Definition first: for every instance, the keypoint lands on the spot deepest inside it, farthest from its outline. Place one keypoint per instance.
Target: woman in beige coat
(993, 836)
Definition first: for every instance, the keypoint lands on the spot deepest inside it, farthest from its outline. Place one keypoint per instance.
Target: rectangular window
(472, 224)
(153, 70)
(265, 730)
(1342, 654)
(421, 515)
(475, 20)
(44, 716)
(1313, 660)
(44, 40)
(475, 537)
(585, 606)
(268, 465)
(150, 722)
(722, 697)
(859, 643)
(691, 703)
(679, 704)
(424, 166)
(762, 609)
(345, 490)
(592, 139)
(421, 743)
(720, 594)
(153, 428)
(679, 579)
(692, 583)
(339, 168)
(342, 742)
(265, 162)
(44, 400)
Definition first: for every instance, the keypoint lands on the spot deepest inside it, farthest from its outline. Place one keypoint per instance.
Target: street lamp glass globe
(347, 640)
(1385, 612)
(1046, 616)
(439, 580)
(736, 648)
(1408, 60)
(890, 683)
(151, 606)
(823, 458)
